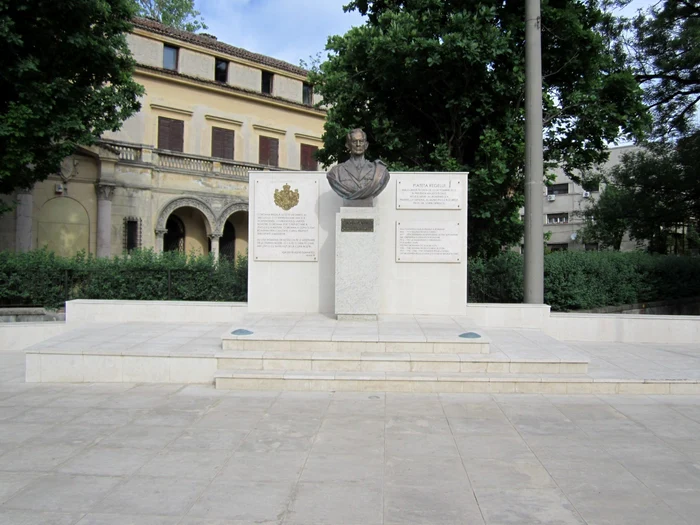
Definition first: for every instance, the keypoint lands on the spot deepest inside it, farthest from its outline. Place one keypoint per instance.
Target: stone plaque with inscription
(357, 225)
(429, 241)
(286, 220)
(429, 194)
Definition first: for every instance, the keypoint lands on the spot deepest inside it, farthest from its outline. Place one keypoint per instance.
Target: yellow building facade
(175, 177)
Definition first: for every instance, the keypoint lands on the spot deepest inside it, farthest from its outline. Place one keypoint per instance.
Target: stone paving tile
(12, 482)
(120, 519)
(186, 464)
(191, 455)
(445, 504)
(134, 436)
(22, 517)
(152, 496)
(250, 501)
(62, 492)
(531, 506)
(341, 503)
(103, 461)
(37, 458)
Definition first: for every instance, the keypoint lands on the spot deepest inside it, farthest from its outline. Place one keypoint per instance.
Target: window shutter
(177, 135)
(229, 139)
(222, 143)
(163, 133)
(274, 152)
(171, 134)
(264, 151)
(217, 142)
(269, 151)
(308, 161)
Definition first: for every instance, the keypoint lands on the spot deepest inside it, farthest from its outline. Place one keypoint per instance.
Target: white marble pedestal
(356, 264)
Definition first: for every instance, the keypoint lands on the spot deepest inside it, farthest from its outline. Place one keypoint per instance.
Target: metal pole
(534, 170)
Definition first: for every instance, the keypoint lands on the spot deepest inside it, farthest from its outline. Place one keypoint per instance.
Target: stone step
(394, 362)
(445, 383)
(446, 346)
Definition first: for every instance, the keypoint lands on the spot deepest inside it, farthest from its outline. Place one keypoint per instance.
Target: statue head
(356, 142)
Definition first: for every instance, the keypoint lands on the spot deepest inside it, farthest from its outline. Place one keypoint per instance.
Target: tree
(439, 85)
(179, 14)
(603, 221)
(652, 194)
(666, 56)
(66, 79)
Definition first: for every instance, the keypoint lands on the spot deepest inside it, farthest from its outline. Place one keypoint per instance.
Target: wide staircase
(438, 363)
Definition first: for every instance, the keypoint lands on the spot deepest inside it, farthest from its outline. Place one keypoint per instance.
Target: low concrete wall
(489, 315)
(18, 336)
(625, 328)
(622, 328)
(98, 311)
(29, 315)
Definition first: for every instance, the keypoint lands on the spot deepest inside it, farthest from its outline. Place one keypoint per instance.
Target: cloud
(290, 30)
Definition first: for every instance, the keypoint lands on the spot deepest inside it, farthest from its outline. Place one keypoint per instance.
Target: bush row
(572, 280)
(586, 280)
(40, 278)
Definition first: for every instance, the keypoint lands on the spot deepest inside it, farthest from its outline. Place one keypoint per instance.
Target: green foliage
(438, 85)
(40, 278)
(66, 79)
(179, 14)
(666, 52)
(587, 280)
(604, 221)
(496, 280)
(653, 194)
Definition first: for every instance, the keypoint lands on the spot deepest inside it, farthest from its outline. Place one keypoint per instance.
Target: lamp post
(534, 169)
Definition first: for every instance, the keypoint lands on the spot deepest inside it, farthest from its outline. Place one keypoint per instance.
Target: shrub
(40, 278)
(585, 280)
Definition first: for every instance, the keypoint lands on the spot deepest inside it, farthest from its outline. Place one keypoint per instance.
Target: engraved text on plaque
(286, 220)
(429, 241)
(429, 194)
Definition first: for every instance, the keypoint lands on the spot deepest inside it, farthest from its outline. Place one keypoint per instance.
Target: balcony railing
(172, 160)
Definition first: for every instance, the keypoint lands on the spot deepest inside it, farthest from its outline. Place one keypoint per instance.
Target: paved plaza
(135, 454)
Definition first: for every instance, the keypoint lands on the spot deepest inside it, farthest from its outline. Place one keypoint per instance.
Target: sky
(290, 30)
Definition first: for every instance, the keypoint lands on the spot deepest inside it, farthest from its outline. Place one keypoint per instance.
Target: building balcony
(164, 160)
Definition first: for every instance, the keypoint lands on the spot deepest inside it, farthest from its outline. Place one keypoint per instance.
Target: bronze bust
(358, 178)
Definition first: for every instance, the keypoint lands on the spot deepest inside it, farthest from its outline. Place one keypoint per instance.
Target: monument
(358, 179)
(358, 242)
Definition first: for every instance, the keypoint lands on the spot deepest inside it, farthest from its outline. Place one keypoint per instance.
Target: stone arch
(227, 212)
(187, 202)
(63, 226)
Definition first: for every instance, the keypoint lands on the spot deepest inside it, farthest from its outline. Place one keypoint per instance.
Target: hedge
(572, 280)
(40, 278)
(586, 280)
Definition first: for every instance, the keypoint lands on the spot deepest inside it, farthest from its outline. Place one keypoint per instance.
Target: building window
(308, 158)
(557, 218)
(558, 189)
(221, 70)
(307, 94)
(561, 247)
(269, 151)
(266, 86)
(591, 246)
(222, 143)
(132, 233)
(171, 134)
(170, 57)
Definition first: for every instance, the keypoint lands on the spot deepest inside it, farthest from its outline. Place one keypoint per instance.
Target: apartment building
(175, 177)
(564, 202)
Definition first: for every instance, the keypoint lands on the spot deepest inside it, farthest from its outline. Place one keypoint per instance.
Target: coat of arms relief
(286, 198)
